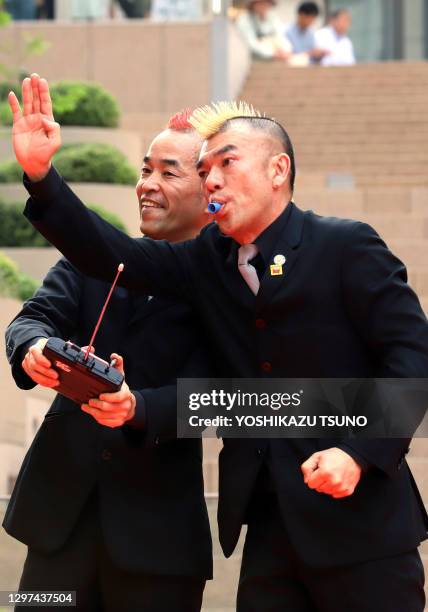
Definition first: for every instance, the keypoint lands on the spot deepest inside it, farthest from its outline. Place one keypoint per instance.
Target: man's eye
(167, 173)
(203, 174)
(227, 161)
(145, 171)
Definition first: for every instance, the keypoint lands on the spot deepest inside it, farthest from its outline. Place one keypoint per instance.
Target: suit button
(157, 440)
(259, 452)
(260, 323)
(266, 366)
(106, 455)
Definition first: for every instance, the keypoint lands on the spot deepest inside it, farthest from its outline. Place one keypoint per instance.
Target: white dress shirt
(340, 47)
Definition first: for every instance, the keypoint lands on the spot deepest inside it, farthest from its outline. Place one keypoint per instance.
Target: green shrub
(5, 114)
(74, 103)
(27, 287)
(17, 231)
(87, 104)
(7, 86)
(94, 163)
(14, 283)
(10, 172)
(82, 163)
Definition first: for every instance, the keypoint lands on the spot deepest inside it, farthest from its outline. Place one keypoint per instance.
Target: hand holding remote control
(38, 367)
(113, 409)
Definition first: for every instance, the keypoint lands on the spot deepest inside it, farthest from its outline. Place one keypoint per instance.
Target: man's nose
(148, 183)
(213, 181)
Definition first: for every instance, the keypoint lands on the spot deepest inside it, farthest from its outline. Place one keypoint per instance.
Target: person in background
(89, 9)
(45, 9)
(134, 9)
(175, 10)
(333, 40)
(301, 33)
(21, 9)
(263, 32)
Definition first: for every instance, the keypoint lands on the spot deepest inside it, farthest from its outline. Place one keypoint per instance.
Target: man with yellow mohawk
(333, 524)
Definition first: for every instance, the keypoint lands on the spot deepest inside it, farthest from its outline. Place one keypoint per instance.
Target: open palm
(35, 135)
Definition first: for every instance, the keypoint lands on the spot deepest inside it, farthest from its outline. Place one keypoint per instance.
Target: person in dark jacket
(108, 501)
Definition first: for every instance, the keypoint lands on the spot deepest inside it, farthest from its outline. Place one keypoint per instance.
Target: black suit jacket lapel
(289, 246)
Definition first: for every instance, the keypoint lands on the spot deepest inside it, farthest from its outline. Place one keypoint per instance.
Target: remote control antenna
(120, 268)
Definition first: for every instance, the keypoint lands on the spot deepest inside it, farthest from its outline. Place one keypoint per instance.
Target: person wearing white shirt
(263, 31)
(334, 40)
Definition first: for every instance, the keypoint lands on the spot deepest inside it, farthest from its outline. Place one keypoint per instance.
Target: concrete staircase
(368, 120)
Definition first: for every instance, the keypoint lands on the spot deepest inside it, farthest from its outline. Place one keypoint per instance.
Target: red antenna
(120, 268)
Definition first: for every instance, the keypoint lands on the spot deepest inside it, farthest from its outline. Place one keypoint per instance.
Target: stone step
(367, 179)
(362, 201)
(418, 280)
(373, 111)
(377, 71)
(354, 127)
(346, 97)
(367, 176)
(314, 178)
(411, 253)
(378, 146)
(403, 162)
(337, 80)
(318, 133)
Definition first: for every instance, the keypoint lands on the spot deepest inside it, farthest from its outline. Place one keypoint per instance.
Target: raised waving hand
(35, 135)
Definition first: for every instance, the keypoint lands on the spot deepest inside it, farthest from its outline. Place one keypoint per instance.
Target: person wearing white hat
(263, 31)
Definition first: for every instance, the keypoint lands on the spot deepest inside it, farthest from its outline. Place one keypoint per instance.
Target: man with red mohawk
(108, 502)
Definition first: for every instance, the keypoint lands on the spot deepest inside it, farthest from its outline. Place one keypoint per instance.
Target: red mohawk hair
(180, 121)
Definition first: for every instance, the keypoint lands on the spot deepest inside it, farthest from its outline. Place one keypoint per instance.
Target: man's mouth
(223, 209)
(149, 204)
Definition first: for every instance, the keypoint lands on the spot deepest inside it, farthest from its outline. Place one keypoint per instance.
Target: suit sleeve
(52, 311)
(387, 315)
(96, 248)
(156, 409)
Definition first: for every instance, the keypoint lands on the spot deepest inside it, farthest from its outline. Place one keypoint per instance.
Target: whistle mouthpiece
(214, 207)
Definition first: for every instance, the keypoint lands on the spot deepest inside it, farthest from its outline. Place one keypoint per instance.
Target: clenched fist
(333, 472)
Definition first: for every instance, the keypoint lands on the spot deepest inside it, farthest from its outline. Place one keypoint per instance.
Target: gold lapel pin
(275, 270)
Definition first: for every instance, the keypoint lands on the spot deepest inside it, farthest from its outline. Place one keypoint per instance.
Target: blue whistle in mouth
(214, 207)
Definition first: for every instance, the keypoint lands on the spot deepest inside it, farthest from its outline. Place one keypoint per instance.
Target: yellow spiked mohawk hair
(207, 120)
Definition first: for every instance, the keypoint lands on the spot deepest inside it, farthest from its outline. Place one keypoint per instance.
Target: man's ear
(280, 166)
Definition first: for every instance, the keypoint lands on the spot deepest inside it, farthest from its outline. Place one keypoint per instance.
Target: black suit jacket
(341, 309)
(149, 484)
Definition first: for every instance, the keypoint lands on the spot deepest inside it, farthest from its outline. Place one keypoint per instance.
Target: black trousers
(274, 579)
(84, 565)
